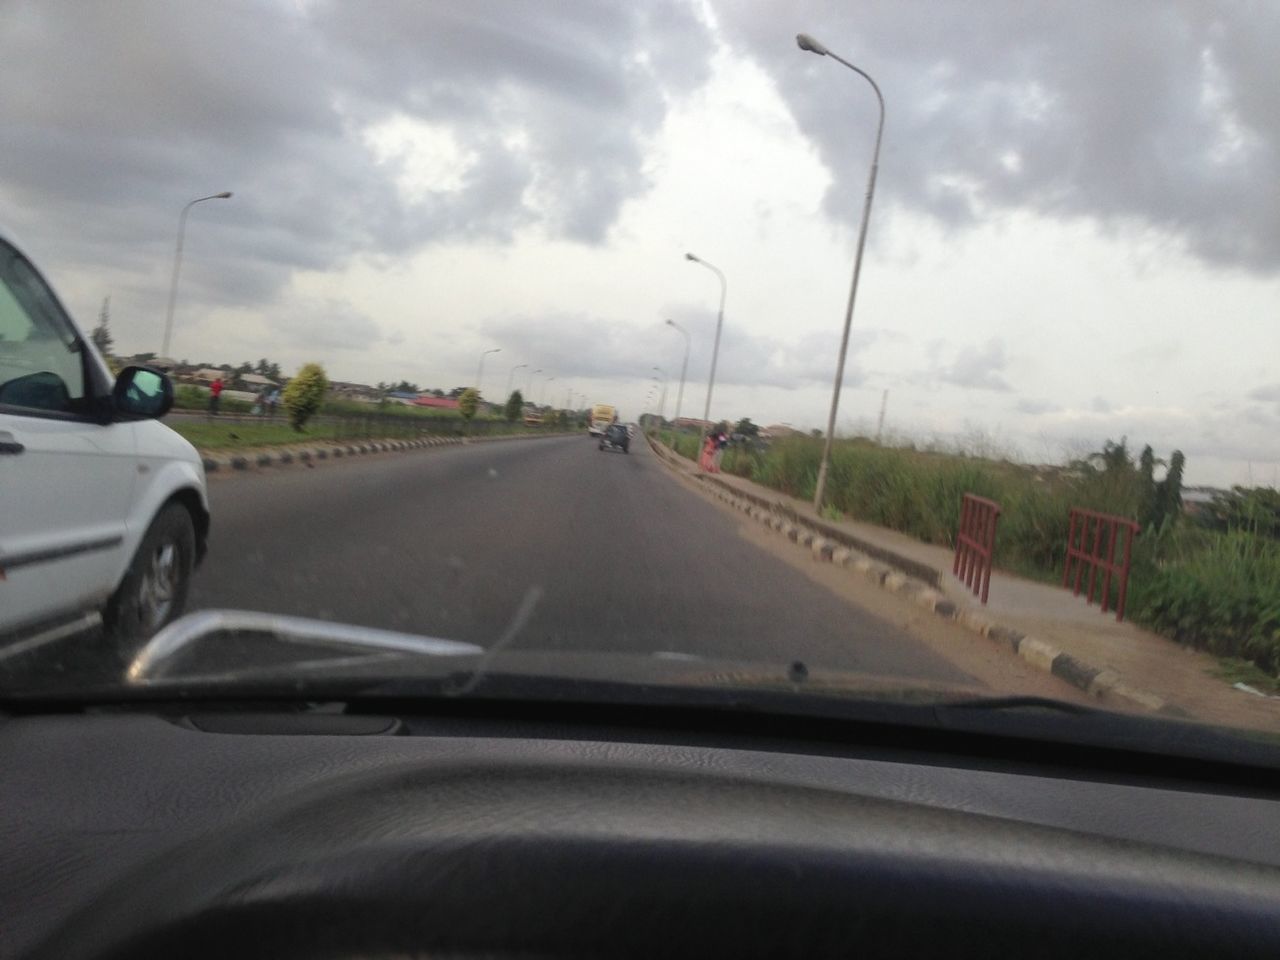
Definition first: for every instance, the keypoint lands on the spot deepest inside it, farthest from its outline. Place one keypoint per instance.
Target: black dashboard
(194, 832)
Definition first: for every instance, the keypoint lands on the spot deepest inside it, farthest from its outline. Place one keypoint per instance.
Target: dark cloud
(575, 346)
(1270, 393)
(1036, 407)
(112, 116)
(1163, 115)
(976, 368)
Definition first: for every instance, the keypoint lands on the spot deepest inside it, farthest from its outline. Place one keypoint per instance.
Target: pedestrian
(708, 452)
(273, 400)
(215, 394)
(722, 443)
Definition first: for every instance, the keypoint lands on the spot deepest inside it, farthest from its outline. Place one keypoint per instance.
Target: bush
(304, 394)
(1219, 591)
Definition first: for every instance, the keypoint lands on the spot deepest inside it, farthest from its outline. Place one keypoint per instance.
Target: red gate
(976, 542)
(1091, 542)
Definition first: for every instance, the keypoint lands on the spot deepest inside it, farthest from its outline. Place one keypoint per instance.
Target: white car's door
(66, 481)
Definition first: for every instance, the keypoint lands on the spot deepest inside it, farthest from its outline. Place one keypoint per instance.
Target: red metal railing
(976, 543)
(1091, 543)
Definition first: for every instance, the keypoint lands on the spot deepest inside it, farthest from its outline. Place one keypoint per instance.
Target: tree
(304, 394)
(404, 386)
(457, 392)
(101, 335)
(468, 403)
(262, 368)
(747, 428)
(515, 404)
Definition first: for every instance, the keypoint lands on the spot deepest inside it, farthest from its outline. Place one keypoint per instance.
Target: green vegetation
(1213, 585)
(304, 394)
(515, 404)
(469, 403)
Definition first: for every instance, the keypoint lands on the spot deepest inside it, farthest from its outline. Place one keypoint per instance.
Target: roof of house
(442, 403)
(258, 379)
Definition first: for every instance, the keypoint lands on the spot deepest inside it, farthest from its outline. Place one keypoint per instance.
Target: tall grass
(1216, 591)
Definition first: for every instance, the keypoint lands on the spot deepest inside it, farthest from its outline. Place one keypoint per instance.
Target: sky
(1075, 233)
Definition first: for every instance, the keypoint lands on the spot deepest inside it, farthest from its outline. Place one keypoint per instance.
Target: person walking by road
(273, 401)
(722, 444)
(215, 395)
(707, 460)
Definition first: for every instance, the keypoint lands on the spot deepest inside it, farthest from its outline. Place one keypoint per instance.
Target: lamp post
(715, 349)
(528, 386)
(684, 366)
(177, 265)
(511, 377)
(807, 43)
(544, 388)
(480, 370)
(662, 403)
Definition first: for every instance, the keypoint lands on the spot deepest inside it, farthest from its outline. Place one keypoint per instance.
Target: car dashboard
(197, 830)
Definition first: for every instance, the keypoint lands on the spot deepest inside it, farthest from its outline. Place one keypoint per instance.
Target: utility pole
(884, 402)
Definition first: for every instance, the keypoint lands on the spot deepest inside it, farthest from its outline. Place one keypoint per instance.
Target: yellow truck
(602, 414)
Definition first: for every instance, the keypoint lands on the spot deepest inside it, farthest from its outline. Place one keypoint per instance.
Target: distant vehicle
(105, 512)
(616, 437)
(602, 414)
(533, 419)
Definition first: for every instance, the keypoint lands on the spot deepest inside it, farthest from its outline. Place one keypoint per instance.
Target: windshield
(893, 351)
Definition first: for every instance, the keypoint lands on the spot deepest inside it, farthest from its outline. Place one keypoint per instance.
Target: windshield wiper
(151, 665)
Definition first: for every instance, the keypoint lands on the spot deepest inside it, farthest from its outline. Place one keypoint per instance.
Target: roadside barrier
(976, 543)
(1091, 544)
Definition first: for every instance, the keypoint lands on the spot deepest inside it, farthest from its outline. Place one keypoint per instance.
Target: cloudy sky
(1076, 230)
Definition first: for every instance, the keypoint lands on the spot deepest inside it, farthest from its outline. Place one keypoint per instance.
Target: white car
(104, 512)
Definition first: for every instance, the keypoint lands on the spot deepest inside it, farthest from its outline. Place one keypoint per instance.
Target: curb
(238, 463)
(900, 575)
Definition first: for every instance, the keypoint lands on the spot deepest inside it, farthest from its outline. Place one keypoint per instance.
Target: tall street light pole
(528, 386)
(511, 377)
(684, 367)
(177, 266)
(544, 388)
(715, 349)
(807, 43)
(662, 403)
(480, 370)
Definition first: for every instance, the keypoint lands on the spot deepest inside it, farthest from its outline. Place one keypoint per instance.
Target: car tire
(154, 589)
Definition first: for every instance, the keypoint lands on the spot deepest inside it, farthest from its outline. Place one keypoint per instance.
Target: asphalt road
(613, 554)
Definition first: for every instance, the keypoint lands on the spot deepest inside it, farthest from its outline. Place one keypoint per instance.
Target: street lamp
(807, 43)
(177, 264)
(684, 366)
(511, 377)
(544, 388)
(528, 386)
(662, 404)
(480, 370)
(715, 349)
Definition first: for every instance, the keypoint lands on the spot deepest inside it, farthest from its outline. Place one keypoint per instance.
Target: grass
(1218, 591)
(1235, 670)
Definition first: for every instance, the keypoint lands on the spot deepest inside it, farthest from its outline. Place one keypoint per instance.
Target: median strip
(248, 461)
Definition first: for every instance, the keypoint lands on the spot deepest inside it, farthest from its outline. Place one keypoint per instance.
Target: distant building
(255, 381)
(692, 423)
(435, 403)
(776, 430)
(354, 391)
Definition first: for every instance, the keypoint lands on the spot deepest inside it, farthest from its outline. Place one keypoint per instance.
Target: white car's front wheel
(154, 589)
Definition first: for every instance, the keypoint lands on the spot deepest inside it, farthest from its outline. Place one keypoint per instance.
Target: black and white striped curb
(337, 451)
(900, 575)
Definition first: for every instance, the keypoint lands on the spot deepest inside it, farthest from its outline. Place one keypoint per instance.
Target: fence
(976, 543)
(1097, 552)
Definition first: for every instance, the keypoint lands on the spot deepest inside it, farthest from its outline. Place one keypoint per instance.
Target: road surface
(448, 543)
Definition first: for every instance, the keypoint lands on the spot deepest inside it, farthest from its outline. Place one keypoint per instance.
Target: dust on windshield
(891, 352)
